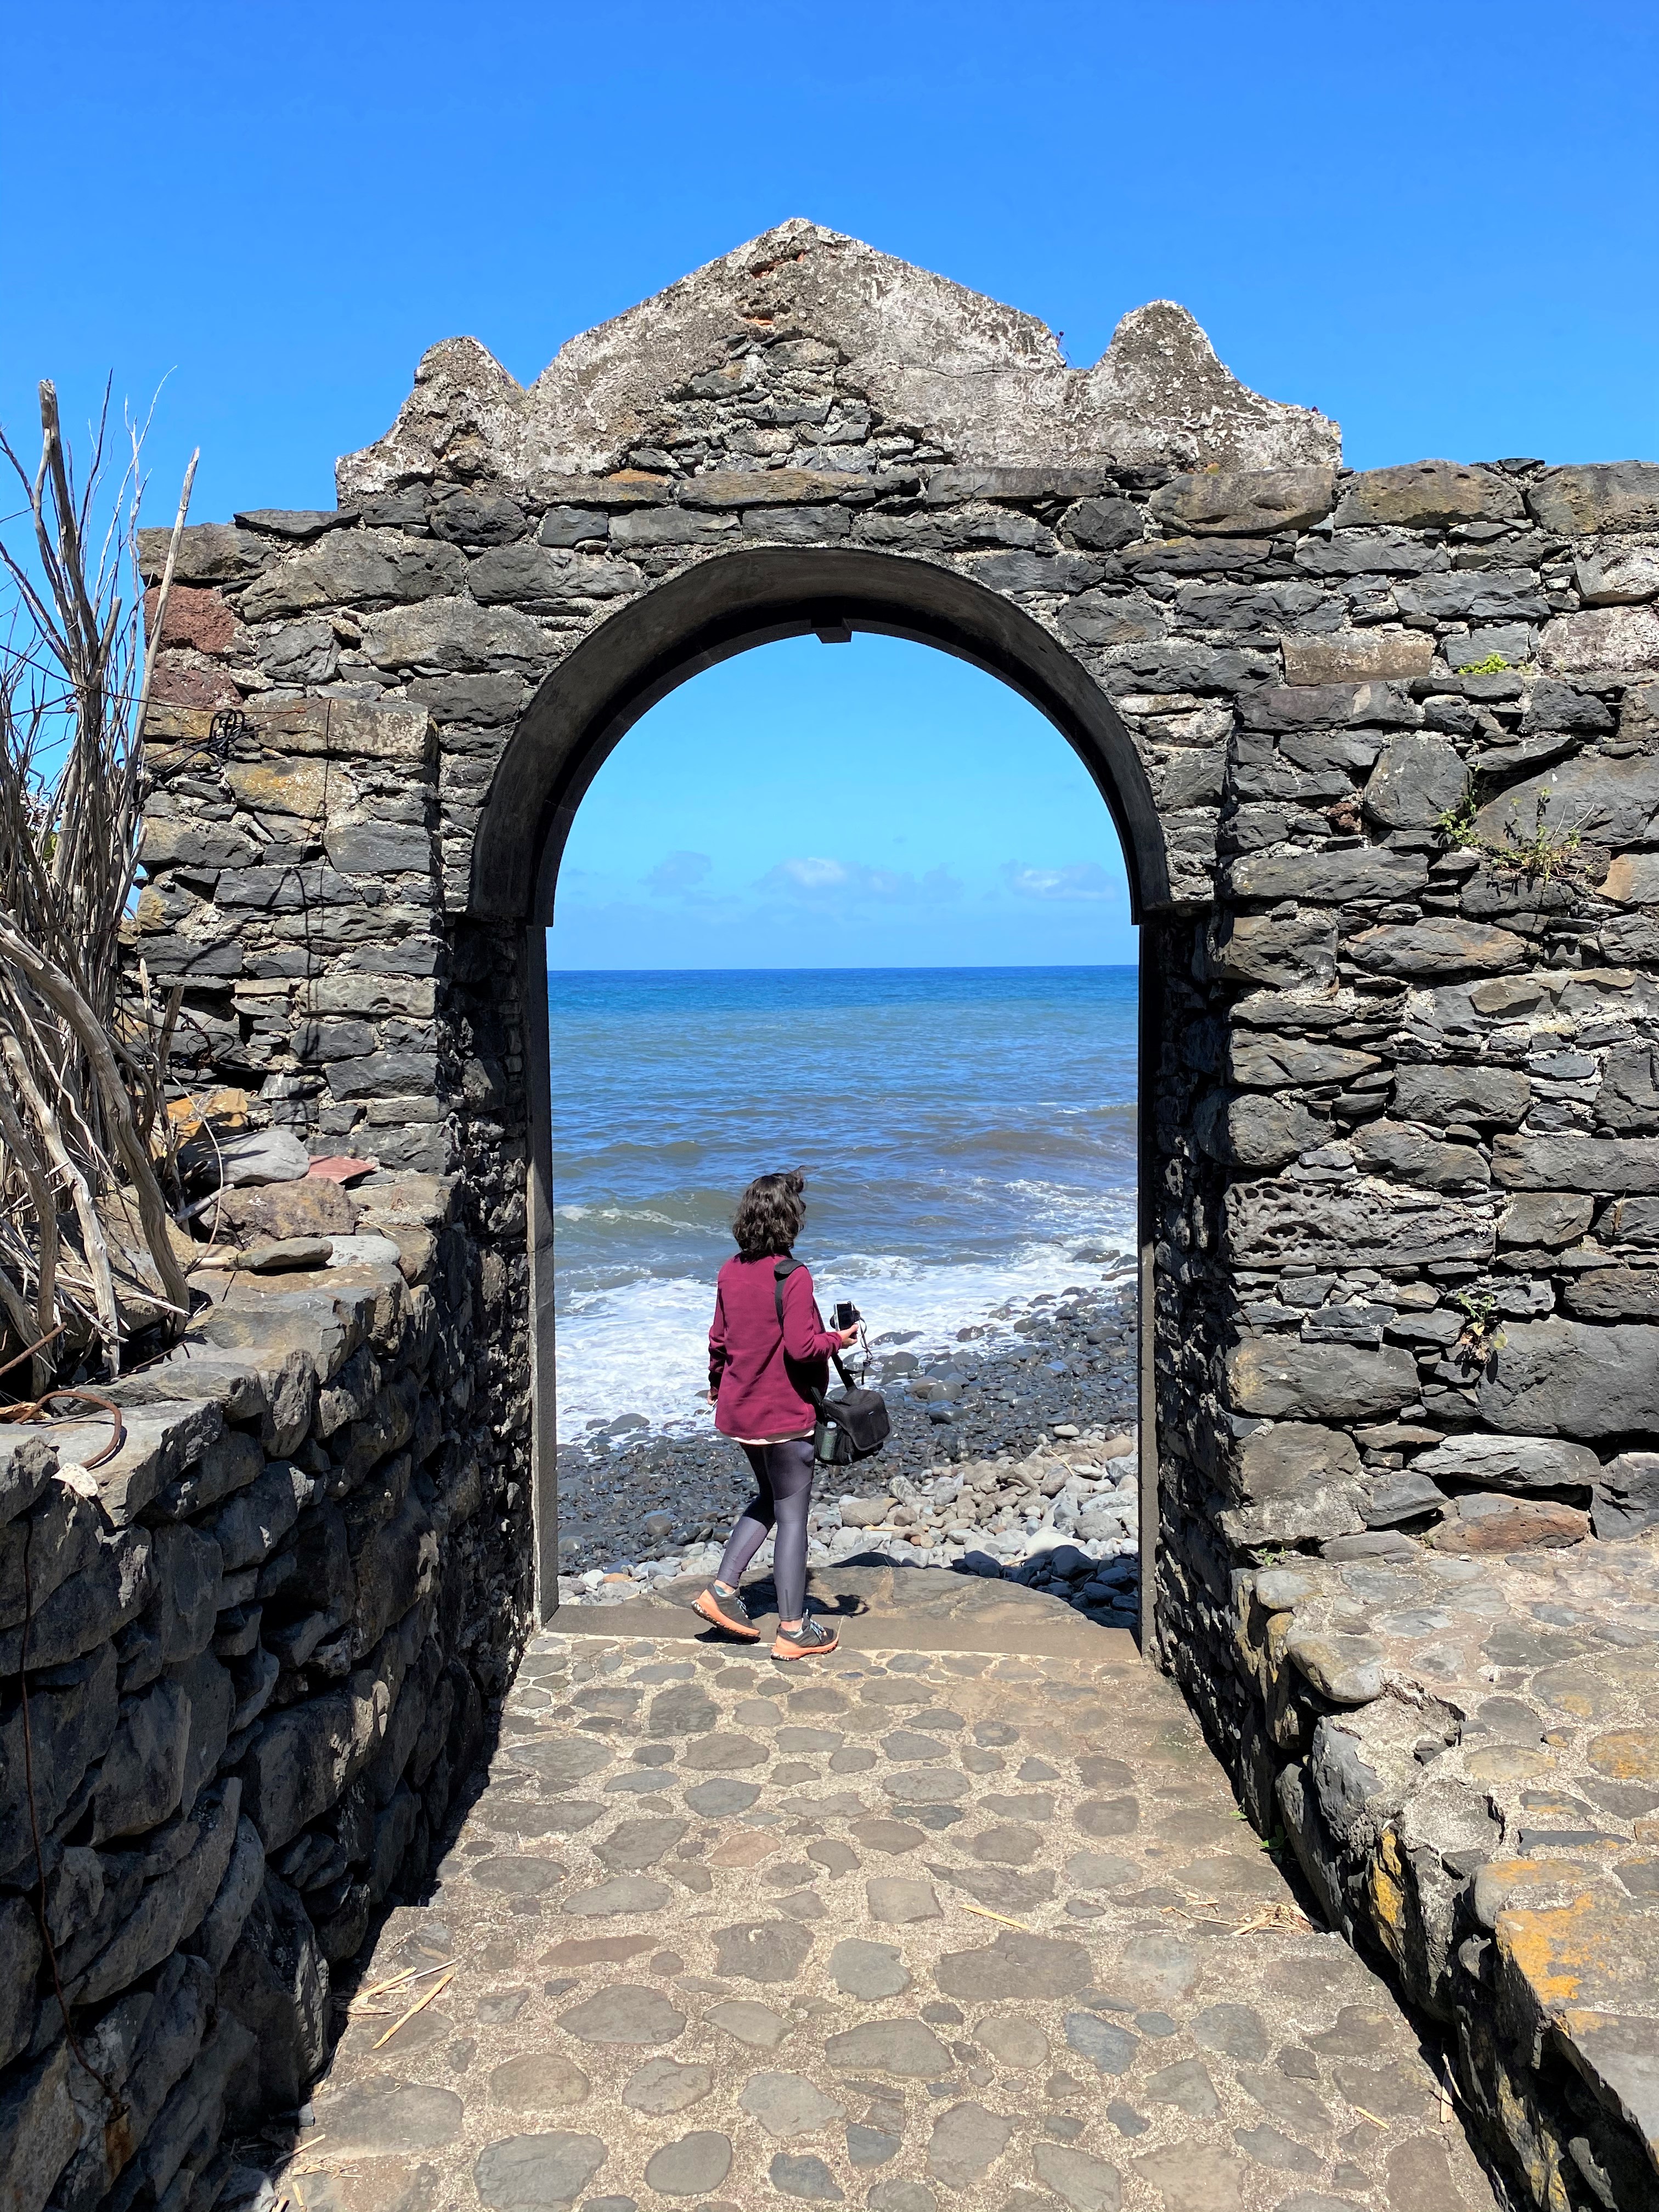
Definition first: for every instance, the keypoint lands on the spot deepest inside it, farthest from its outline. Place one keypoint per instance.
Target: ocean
(966, 1132)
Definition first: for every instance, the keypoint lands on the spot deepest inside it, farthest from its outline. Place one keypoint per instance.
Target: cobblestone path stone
(909, 1931)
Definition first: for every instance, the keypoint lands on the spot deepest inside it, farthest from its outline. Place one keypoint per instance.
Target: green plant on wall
(1493, 665)
(1481, 1335)
(1458, 824)
(1542, 855)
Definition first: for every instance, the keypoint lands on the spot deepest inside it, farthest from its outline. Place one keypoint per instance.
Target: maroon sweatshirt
(762, 1373)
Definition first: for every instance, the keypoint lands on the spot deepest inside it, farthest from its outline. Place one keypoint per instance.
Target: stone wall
(259, 1644)
(1400, 1105)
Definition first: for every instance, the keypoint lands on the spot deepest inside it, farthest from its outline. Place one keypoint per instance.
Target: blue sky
(974, 840)
(1434, 223)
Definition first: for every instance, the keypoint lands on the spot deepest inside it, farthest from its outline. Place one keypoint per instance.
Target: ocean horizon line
(883, 968)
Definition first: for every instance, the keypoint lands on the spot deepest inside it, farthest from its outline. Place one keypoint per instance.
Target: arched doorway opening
(723, 607)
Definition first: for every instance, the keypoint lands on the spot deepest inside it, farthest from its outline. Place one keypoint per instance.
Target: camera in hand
(847, 1314)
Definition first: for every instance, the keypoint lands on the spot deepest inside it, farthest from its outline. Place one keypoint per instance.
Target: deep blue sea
(965, 1132)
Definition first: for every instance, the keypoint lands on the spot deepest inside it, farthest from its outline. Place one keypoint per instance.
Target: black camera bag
(853, 1422)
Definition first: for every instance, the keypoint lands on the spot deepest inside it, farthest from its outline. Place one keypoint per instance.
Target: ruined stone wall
(1404, 1097)
(259, 1642)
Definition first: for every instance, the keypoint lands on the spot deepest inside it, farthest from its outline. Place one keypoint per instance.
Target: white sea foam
(641, 1346)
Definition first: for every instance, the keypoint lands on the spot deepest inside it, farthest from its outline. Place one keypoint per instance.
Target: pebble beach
(1012, 1453)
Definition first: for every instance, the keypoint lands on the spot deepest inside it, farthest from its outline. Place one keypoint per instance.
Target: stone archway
(1400, 1097)
(722, 606)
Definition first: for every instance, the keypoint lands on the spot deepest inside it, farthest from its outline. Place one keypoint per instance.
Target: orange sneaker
(726, 1609)
(811, 1640)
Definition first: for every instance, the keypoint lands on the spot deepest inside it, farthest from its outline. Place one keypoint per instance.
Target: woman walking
(768, 1351)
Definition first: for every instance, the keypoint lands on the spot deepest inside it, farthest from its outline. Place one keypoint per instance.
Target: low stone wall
(1461, 1753)
(261, 1645)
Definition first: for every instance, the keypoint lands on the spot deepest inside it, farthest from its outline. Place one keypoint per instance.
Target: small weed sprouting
(1457, 826)
(1493, 665)
(1543, 856)
(1481, 1335)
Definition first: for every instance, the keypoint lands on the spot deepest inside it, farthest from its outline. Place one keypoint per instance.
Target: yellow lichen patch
(1626, 1755)
(1575, 1688)
(225, 1109)
(1389, 1896)
(1553, 1950)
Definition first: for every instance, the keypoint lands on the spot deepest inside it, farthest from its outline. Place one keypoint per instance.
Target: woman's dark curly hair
(769, 1215)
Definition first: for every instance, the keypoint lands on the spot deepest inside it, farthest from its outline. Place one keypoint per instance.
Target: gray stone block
(1273, 949)
(142, 1775)
(111, 1585)
(1613, 1294)
(301, 652)
(1331, 877)
(1516, 1464)
(467, 518)
(355, 569)
(1102, 525)
(1415, 782)
(1627, 1496)
(1329, 706)
(1319, 1381)
(457, 637)
(1438, 948)
(1573, 1379)
(1245, 503)
(26, 1466)
(380, 849)
(1113, 618)
(1291, 1457)
(1254, 1132)
(1547, 1220)
(1629, 1221)
(1442, 1092)
(250, 1527)
(1607, 800)
(187, 842)
(21, 1948)
(1629, 1098)
(544, 576)
(384, 1075)
(1474, 595)
(1427, 496)
(1618, 1166)
(1613, 496)
(209, 553)
(71, 1723)
(1370, 553)
(1361, 656)
(1377, 1225)
(1394, 1148)
(171, 1905)
(40, 2128)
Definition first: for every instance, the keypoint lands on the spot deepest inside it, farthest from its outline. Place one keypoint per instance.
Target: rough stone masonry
(1385, 749)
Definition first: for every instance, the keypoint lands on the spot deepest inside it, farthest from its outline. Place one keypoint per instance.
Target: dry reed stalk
(84, 1056)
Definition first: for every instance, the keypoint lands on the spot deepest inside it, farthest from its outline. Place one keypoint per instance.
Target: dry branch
(84, 1057)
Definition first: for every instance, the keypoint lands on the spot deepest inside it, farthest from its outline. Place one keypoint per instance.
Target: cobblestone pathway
(905, 1932)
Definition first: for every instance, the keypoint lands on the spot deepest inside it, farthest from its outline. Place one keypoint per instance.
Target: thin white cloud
(1083, 881)
(820, 882)
(678, 873)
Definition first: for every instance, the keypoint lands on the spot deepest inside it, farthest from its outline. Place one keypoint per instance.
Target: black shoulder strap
(781, 1275)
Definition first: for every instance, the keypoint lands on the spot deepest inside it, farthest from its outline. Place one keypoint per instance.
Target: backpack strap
(781, 1275)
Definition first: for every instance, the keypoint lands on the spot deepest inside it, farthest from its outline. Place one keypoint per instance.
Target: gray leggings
(783, 1491)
